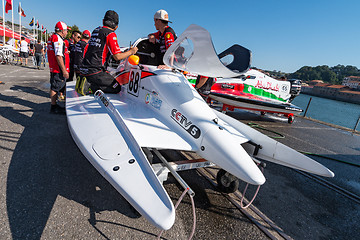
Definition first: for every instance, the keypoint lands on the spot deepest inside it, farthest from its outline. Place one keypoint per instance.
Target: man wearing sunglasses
(75, 38)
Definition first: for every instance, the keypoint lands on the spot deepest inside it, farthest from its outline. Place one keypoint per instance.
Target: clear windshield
(194, 52)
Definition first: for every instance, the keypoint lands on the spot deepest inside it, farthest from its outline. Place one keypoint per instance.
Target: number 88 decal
(134, 82)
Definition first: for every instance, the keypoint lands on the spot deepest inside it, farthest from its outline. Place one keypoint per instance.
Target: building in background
(352, 82)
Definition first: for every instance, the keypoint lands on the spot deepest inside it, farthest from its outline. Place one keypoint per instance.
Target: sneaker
(84, 88)
(78, 83)
(56, 109)
(61, 98)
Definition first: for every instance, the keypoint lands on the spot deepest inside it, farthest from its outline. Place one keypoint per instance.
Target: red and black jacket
(165, 40)
(102, 44)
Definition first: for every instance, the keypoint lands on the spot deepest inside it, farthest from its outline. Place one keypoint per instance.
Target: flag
(8, 6)
(42, 27)
(44, 31)
(21, 11)
(32, 22)
(37, 24)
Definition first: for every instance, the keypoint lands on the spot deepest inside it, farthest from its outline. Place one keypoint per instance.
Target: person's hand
(133, 50)
(66, 75)
(151, 38)
(163, 67)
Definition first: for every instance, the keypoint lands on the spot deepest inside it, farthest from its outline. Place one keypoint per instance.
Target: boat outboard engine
(295, 88)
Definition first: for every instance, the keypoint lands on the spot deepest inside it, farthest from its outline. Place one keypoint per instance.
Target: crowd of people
(86, 55)
(37, 49)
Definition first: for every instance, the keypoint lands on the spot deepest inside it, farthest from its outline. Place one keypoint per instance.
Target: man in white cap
(165, 35)
(57, 64)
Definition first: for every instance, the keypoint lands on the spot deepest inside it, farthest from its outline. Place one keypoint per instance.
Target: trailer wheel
(227, 182)
(291, 119)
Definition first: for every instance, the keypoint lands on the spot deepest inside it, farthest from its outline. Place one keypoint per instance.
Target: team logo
(185, 123)
(228, 86)
(167, 36)
(153, 100)
(147, 98)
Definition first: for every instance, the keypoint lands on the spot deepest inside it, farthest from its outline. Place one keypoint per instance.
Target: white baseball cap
(162, 15)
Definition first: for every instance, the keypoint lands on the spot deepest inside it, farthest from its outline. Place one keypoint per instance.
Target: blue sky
(282, 35)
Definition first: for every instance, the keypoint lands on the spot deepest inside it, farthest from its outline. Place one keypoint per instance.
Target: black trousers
(103, 81)
(71, 74)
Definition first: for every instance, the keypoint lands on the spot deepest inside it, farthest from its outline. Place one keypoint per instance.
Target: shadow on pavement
(46, 164)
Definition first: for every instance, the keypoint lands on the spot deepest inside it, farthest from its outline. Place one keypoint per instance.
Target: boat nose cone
(329, 173)
(223, 149)
(257, 179)
(166, 223)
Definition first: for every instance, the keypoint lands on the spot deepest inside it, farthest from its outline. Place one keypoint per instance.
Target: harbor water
(330, 111)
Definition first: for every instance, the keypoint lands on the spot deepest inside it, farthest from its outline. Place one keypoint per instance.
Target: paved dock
(48, 190)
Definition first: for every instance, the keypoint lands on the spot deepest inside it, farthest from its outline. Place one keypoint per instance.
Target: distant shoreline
(332, 93)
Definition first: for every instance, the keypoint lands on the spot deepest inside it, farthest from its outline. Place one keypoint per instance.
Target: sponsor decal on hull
(102, 98)
(267, 85)
(183, 121)
(153, 100)
(227, 86)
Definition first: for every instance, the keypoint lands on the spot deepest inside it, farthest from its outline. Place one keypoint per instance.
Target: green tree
(334, 75)
(73, 28)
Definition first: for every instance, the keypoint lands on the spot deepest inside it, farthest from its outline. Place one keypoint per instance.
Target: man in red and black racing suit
(102, 45)
(165, 35)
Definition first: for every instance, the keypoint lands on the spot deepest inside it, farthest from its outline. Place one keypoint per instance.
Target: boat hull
(105, 143)
(256, 105)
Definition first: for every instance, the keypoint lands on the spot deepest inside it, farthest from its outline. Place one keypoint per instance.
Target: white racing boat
(159, 109)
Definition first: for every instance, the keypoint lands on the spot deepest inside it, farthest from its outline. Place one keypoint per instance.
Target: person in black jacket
(79, 51)
(75, 38)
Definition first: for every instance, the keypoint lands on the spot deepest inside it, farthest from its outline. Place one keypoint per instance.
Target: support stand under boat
(174, 173)
(183, 184)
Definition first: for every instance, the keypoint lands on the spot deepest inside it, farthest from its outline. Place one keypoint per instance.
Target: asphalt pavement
(48, 190)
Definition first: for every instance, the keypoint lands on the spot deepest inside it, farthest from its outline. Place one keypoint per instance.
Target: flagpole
(20, 12)
(3, 3)
(34, 29)
(12, 18)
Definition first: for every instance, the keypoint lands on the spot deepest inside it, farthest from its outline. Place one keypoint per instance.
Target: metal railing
(344, 119)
